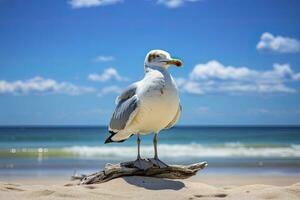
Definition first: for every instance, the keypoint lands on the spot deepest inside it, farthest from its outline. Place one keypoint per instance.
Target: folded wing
(126, 109)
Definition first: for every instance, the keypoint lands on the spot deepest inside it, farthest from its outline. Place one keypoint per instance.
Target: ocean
(64, 150)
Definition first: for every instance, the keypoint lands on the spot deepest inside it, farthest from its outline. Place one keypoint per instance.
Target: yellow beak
(176, 62)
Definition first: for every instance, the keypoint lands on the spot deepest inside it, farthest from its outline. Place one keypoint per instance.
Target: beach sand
(197, 188)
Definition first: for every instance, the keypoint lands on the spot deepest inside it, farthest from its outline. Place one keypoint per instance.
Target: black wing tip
(109, 140)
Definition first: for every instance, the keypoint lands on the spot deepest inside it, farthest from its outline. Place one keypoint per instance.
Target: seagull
(147, 106)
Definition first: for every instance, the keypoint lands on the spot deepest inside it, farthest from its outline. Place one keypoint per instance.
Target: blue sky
(63, 62)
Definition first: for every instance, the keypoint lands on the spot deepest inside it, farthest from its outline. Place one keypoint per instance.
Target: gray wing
(127, 93)
(175, 119)
(127, 104)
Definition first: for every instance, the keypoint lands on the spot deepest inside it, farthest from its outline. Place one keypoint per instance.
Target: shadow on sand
(154, 183)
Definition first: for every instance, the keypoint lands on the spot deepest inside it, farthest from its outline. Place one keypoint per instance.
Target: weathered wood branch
(127, 169)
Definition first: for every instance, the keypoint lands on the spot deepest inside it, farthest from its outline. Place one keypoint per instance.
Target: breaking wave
(190, 151)
(172, 151)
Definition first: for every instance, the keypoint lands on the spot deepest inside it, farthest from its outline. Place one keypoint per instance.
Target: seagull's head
(160, 58)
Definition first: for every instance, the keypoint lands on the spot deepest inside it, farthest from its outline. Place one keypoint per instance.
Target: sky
(63, 62)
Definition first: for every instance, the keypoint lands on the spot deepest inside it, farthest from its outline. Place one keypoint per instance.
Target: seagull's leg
(156, 161)
(139, 162)
(138, 141)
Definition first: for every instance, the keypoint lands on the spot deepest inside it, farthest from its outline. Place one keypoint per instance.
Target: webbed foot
(157, 162)
(142, 164)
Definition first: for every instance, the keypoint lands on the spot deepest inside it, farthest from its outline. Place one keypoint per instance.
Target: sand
(196, 188)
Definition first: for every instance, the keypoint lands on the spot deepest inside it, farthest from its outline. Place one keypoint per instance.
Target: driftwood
(127, 169)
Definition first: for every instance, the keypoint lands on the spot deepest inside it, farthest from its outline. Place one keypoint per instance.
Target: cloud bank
(214, 77)
(278, 44)
(92, 3)
(95, 3)
(40, 85)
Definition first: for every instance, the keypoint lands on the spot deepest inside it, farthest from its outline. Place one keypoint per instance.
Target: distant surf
(174, 151)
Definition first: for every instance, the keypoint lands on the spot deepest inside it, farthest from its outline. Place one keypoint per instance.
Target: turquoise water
(61, 150)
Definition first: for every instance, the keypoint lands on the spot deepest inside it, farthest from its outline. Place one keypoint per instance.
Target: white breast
(159, 102)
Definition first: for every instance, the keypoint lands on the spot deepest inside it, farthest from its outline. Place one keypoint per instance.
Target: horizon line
(178, 126)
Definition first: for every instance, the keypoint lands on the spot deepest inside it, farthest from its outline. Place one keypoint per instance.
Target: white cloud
(108, 74)
(216, 70)
(110, 89)
(213, 77)
(174, 3)
(40, 85)
(238, 87)
(104, 58)
(192, 87)
(278, 44)
(92, 3)
(188, 86)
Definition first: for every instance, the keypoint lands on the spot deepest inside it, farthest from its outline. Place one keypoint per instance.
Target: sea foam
(181, 151)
